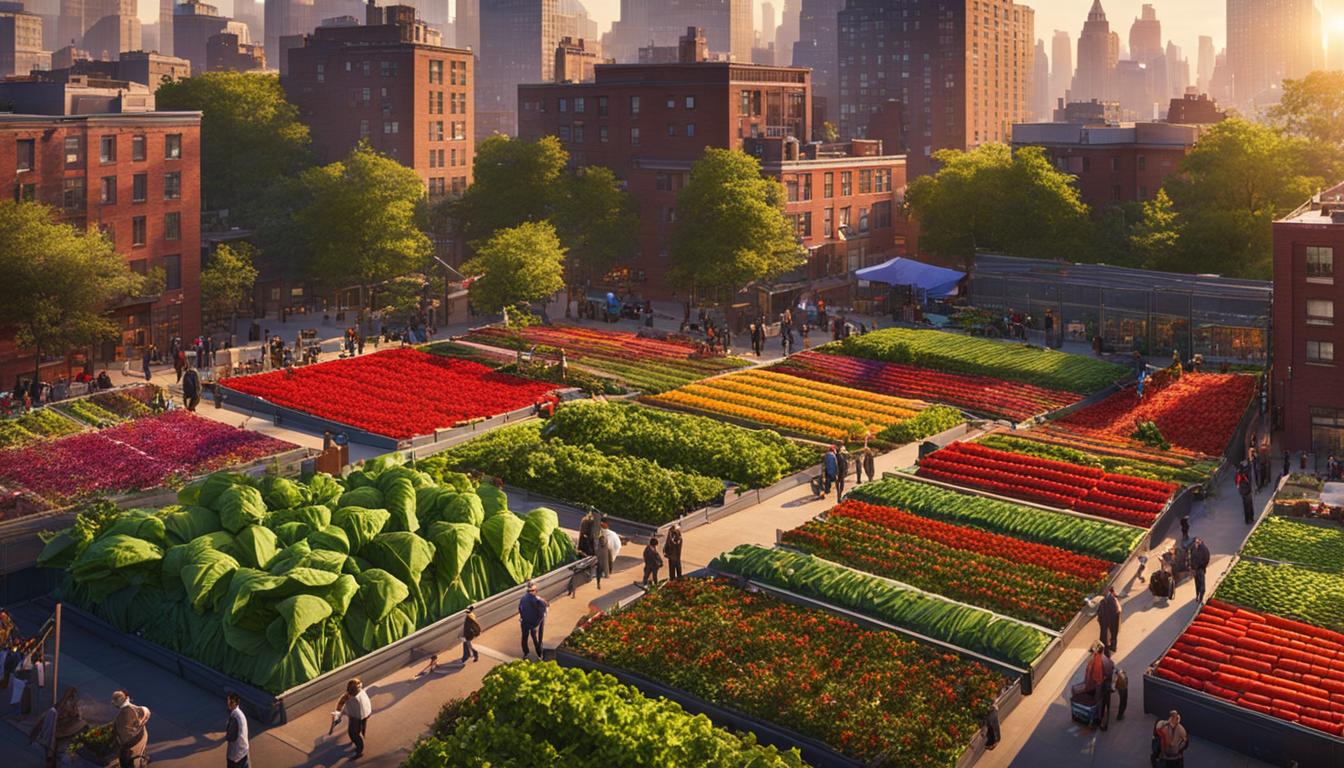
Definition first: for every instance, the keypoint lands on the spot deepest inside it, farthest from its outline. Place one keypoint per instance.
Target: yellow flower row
(846, 409)
(726, 408)
(782, 381)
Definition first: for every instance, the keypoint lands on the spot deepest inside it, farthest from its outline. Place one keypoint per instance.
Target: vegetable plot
(543, 714)
(982, 394)
(398, 393)
(104, 409)
(1126, 499)
(873, 696)
(1105, 541)
(1264, 663)
(981, 570)
(274, 581)
(34, 426)
(957, 353)
(1318, 547)
(960, 625)
(1287, 590)
(1167, 468)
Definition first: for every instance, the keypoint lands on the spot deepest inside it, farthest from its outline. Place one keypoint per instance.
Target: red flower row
(983, 394)
(399, 393)
(1264, 663)
(1197, 412)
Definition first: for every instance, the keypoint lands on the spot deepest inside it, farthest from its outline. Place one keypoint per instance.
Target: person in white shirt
(235, 735)
(356, 706)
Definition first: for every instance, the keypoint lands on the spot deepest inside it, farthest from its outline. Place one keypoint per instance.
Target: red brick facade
(150, 164)
(1308, 342)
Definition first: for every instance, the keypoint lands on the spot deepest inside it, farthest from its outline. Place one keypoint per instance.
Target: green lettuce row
(1107, 541)
(533, 714)
(965, 626)
(1318, 547)
(682, 442)
(930, 421)
(1286, 590)
(275, 581)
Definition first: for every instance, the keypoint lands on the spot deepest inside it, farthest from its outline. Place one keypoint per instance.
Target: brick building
(224, 52)
(1112, 164)
(1308, 344)
(102, 158)
(650, 123)
(21, 48)
(1195, 109)
(384, 84)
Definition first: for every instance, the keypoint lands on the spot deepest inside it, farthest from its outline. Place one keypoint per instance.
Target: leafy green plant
(40, 424)
(101, 742)
(1191, 474)
(1318, 547)
(1287, 590)
(1146, 432)
(930, 421)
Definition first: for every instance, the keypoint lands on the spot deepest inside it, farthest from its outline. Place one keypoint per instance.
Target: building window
(634, 135)
(1327, 430)
(634, 105)
(138, 231)
(321, 73)
(436, 72)
(1116, 193)
(1115, 164)
(107, 149)
(602, 133)
(791, 186)
(390, 126)
(844, 217)
(865, 182)
(846, 183)
(562, 104)
(172, 146)
(459, 130)
(172, 226)
(863, 220)
(73, 151)
(25, 193)
(671, 129)
(828, 223)
(578, 105)
(73, 195)
(882, 181)
(172, 273)
(807, 187)
(108, 195)
(436, 130)
(601, 106)
(690, 102)
(385, 68)
(1087, 165)
(27, 154)
(562, 132)
(578, 133)
(1320, 262)
(1320, 312)
(1321, 352)
(662, 182)
(459, 185)
(368, 67)
(1143, 193)
(172, 186)
(139, 187)
(363, 128)
(138, 148)
(828, 186)
(1143, 162)
(882, 215)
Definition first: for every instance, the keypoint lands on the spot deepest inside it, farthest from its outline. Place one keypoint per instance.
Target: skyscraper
(767, 25)
(921, 53)
(467, 25)
(1268, 41)
(518, 40)
(1204, 63)
(1040, 85)
(1098, 51)
(817, 48)
(728, 26)
(787, 34)
(1145, 36)
(1061, 64)
(285, 18)
(166, 27)
(1178, 73)
(21, 41)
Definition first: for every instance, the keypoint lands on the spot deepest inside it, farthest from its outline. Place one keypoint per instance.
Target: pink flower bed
(132, 456)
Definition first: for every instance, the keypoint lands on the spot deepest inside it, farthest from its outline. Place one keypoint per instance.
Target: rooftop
(1151, 134)
(1326, 207)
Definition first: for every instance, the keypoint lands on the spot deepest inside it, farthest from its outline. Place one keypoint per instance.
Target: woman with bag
(130, 731)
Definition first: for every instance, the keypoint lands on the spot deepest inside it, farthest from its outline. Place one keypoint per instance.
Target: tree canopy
(251, 137)
(228, 279)
(596, 220)
(519, 264)
(992, 198)
(362, 221)
(1312, 108)
(59, 281)
(730, 225)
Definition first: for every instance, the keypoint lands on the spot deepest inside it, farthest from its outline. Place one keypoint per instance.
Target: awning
(937, 281)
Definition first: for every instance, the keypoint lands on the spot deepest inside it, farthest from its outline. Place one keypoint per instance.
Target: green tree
(59, 281)
(1155, 240)
(597, 222)
(730, 228)
(362, 222)
(251, 137)
(1236, 180)
(227, 281)
(1312, 108)
(992, 198)
(513, 181)
(519, 264)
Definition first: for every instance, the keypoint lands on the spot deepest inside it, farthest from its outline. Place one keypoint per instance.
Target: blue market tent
(937, 282)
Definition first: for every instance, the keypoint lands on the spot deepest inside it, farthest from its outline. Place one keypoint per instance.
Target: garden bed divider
(1072, 408)
(323, 690)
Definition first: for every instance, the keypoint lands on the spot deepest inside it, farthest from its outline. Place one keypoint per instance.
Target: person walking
(532, 617)
(1104, 689)
(128, 727)
(1287, 461)
(1199, 562)
(588, 532)
(608, 547)
(857, 458)
(652, 562)
(355, 705)
(1253, 465)
(1122, 691)
(1108, 616)
(672, 551)
(179, 363)
(830, 463)
(471, 629)
(1171, 741)
(1050, 328)
(235, 734)
(869, 462)
(841, 471)
(191, 389)
(1244, 488)
(144, 360)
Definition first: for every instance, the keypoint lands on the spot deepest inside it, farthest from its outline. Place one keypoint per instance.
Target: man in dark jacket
(841, 471)
(471, 629)
(1199, 561)
(532, 617)
(1108, 616)
(191, 389)
(672, 551)
(652, 562)
(1245, 489)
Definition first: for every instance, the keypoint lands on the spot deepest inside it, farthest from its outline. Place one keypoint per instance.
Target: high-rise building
(890, 52)
(1268, 41)
(818, 49)
(1178, 73)
(21, 48)
(467, 25)
(103, 159)
(1061, 65)
(251, 13)
(518, 42)
(386, 84)
(1145, 36)
(113, 34)
(1040, 85)
(575, 60)
(194, 23)
(572, 20)
(787, 33)
(768, 27)
(1204, 63)
(728, 24)
(166, 27)
(1098, 52)
(225, 51)
(285, 18)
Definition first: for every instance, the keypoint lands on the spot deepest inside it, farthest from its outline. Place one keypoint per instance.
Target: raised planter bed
(324, 690)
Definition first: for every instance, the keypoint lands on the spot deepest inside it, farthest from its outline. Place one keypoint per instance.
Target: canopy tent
(937, 282)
